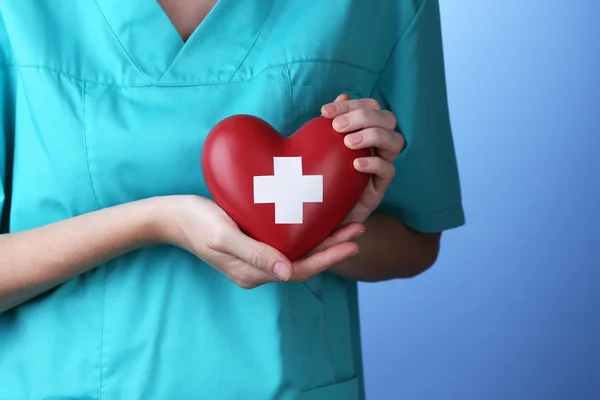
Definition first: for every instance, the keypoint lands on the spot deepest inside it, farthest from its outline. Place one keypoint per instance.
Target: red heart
(242, 147)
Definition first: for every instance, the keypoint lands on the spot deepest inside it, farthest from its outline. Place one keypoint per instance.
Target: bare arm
(34, 261)
(39, 259)
(390, 250)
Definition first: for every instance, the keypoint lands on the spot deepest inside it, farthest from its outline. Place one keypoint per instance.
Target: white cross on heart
(288, 189)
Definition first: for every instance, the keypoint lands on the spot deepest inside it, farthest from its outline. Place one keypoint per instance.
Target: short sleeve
(425, 192)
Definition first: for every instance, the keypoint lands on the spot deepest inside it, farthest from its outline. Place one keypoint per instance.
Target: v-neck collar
(212, 53)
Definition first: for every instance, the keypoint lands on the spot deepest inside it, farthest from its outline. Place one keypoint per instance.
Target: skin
(36, 260)
(39, 259)
(186, 15)
(392, 249)
(389, 249)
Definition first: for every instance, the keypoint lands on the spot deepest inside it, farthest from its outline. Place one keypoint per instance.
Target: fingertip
(358, 233)
(360, 164)
(329, 110)
(343, 250)
(325, 259)
(353, 228)
(346, 250)
(282, 271)
(268, 259)
(340, 123)
(347, 142)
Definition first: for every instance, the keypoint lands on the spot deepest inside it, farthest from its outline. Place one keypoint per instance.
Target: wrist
(156, 219)
(167, 218)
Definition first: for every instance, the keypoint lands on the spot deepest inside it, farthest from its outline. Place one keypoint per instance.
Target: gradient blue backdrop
(511, 311)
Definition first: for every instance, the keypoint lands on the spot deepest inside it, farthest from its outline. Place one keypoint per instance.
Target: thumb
(260, 256)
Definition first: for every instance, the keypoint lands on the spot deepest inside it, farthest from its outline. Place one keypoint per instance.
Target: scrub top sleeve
(425, 192)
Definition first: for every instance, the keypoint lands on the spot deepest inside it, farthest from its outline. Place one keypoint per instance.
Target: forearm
(39, 259)
(389, 250)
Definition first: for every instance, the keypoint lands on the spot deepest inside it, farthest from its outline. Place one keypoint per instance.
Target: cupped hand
(367, 125)
(201, 227)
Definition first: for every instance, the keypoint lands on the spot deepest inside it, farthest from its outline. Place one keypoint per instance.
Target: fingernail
(329, 109)
(354, 139)
(361, 163)
(357, 234)
(341, 122)
(282, 271)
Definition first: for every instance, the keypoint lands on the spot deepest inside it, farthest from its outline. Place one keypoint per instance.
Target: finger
(342, 235)
(388, 143)
(365, 118)
(259, 255)
(344, 105)
(247, 276)
(342, 97)
(383, 171)
(306, 268)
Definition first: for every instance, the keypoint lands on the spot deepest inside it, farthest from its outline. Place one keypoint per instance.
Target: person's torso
(110, 107)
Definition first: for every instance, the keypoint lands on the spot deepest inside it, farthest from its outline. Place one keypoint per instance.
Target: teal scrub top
(102, 103)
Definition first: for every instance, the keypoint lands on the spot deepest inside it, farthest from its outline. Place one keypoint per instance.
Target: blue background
(511, 310)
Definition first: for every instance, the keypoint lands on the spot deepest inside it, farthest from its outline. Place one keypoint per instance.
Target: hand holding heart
(201, 227)
(291, 192)
(374, 128)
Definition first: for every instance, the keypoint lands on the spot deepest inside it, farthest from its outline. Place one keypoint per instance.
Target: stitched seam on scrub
(206, 83)
(253, 41)
(440, 210)
(293, 340)
(85, 146)
(329, 385)
(120, 44)
(290, 93)
(102, 315)
(409, 27)
(101, 267)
